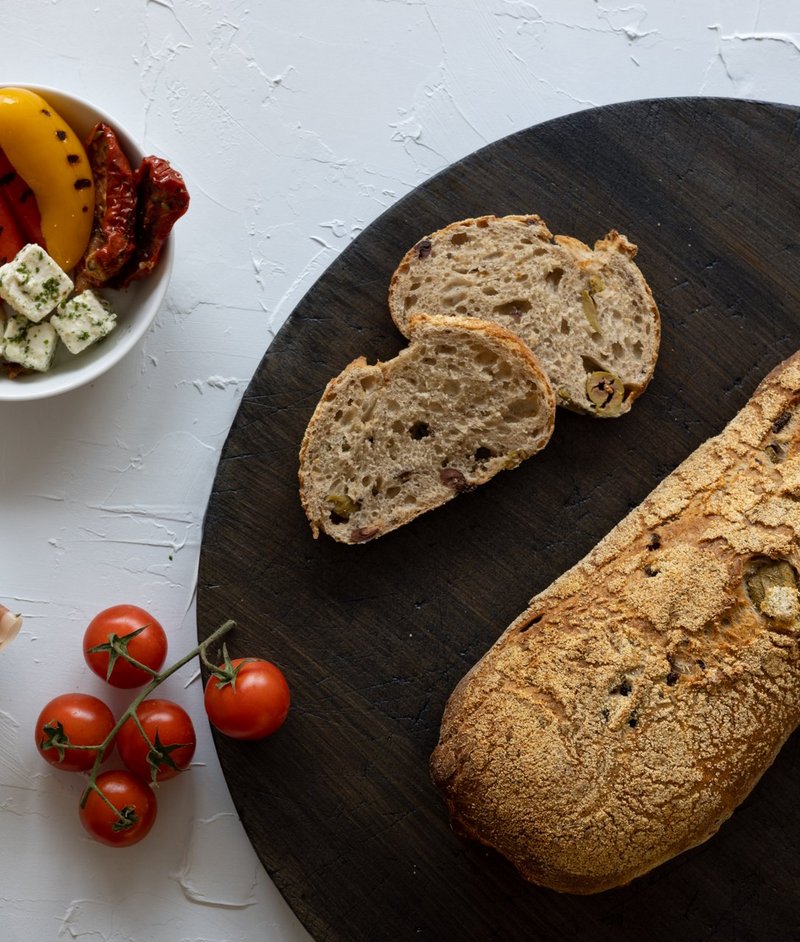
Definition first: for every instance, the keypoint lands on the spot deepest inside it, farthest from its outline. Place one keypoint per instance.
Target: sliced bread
(464, 400)
(589, 315)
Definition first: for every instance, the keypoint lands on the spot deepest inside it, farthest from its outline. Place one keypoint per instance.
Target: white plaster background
(295, 123)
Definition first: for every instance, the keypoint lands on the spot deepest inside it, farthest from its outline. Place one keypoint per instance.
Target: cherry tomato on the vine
(73, 719)
(171, 734)
(130, 818)
(251, 704)
(119, 630)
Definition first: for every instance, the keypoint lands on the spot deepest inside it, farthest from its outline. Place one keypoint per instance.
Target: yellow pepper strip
(49, 156)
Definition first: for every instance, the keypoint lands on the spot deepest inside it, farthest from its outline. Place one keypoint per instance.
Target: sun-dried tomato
(162, 200)
(112, 241)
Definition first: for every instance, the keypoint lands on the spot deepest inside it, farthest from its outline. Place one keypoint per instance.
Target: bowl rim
(45, 385)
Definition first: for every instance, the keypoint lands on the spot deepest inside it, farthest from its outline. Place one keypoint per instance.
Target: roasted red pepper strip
(21, 203)
(11, 237)
(112, 241)
(162, 200)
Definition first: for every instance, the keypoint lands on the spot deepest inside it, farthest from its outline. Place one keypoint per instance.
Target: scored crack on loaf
(465, 400)
(589, 315)
(636, 702)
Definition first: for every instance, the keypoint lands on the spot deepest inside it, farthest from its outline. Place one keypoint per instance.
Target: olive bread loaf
(637, 701)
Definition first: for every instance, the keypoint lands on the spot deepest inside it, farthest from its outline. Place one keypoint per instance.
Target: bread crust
(380, 376)
(621, 333)
(639, 698)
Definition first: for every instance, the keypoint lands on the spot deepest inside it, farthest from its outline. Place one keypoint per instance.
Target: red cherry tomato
(171, 733)
(251, 705)
(130, 818)
(76, 719)
(124, 629)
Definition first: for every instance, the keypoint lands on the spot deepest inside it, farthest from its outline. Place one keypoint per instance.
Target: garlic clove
(10, 625)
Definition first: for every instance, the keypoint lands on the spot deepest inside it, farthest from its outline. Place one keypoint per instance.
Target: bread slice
(624, 716)
(464, 400)
(589, 315)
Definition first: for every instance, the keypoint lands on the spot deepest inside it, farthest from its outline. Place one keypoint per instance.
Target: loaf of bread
(464, 400)
(589, 315)
(624, 716)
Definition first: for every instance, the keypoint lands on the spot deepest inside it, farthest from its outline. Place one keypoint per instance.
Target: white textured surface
(295, 124)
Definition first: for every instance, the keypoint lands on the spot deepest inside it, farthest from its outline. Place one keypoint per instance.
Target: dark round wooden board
(373, 638)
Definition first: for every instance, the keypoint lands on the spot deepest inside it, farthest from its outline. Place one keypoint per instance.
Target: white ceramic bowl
(136, 307)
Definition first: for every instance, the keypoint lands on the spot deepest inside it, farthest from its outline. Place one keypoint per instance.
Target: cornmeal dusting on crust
(623, 717)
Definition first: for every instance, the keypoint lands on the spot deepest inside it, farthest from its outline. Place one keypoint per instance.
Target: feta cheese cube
(32, 283)
(82, 320)
(31, 345)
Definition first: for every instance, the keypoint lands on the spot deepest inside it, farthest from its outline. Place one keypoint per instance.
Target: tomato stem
(138, 722)
(208, 664)
(142, 667)
(126, 817)
(226, 674)
(117, 647)
(151, 747)
(132, 707)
